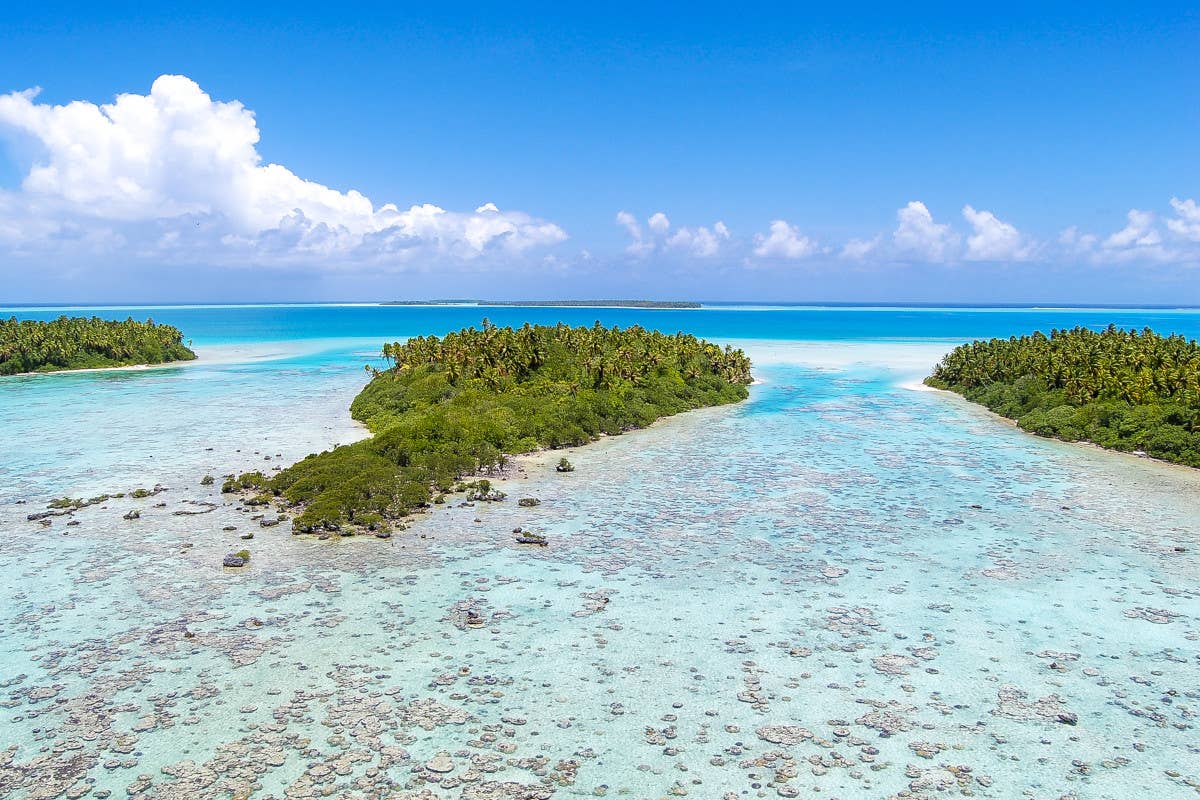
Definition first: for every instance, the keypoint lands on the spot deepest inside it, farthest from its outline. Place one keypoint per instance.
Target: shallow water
(840, 588)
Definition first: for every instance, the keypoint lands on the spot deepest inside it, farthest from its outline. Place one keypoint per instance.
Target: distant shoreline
(551, 303)
(716, 304)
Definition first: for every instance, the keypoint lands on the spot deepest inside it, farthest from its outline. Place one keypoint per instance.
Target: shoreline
(85, 370)
(206, 355)
(1179, 470)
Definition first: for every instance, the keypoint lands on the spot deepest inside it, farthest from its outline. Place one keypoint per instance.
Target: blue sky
(784, 147)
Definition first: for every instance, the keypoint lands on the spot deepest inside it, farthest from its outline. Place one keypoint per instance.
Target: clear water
(842, 588)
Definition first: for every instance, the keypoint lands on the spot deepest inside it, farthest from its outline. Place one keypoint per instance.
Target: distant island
(456, 406)
(70, 343)
(1119, 389)
(552, 303)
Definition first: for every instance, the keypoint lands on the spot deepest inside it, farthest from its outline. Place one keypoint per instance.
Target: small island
(72, 343)
(667, 304)
(1123, 390)
(457, 406)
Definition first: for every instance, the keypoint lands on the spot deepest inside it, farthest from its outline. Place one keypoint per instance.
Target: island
(455, 407)
(1124, 390)
(72, 343)
(666, 304)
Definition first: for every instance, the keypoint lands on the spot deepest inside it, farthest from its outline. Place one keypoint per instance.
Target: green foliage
(1125, 390)
(247, 480)
(207, 480)
(244, 555)
(457, 405)
(564, 466)
(86, 343)
(65, 502)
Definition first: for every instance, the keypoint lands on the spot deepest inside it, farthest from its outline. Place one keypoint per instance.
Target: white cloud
(784, 241)
(170, 168)
(918, 235)
(1139, 231)
(1077, 242)
(919, 239)
(1187, 223)
(659, 223)
(630, 224)
(699, 241)
(993, 239)
(858, 249)
(1139, 241)
(639, 245)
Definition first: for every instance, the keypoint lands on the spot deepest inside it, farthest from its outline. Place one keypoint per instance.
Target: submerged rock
(440, 763)
(529, 537)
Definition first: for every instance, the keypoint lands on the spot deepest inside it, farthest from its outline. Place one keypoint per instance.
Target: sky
(942, 153)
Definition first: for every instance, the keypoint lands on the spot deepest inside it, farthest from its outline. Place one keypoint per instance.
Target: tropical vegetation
(1125, 390)
(456, 406)
(86, 343)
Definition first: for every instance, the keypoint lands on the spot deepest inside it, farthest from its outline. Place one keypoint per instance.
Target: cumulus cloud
(164, 169)
(638, 244)
(992, 239)
(659, 223)
(1187, 221)
(919, 236)
(1139, 231)
(1142, 239)
(784, 241)
(981, 237)
(699, 241)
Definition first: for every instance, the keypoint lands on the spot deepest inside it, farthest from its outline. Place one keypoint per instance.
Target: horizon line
(1045, 305)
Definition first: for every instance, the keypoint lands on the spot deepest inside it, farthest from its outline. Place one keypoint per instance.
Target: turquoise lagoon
(846, 587)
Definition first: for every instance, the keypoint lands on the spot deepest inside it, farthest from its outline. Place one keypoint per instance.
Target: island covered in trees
(1124, 390)
(456, 406)
(68, 343)
(553, 303)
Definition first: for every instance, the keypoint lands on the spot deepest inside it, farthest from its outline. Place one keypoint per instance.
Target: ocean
(844, 587)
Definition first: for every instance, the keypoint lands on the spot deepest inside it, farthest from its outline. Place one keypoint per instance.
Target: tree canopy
(86, 343)
(454, 406)
(1126, 390)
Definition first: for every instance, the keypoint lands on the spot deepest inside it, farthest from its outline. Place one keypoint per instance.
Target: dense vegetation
(553, 303)
(1119, 389)
(86, 343)
(455, 406)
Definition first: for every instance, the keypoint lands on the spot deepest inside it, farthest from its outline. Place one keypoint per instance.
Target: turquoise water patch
(843, 587)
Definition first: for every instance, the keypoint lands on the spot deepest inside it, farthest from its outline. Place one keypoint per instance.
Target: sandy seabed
(839, 589)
